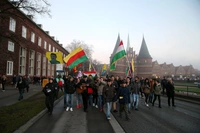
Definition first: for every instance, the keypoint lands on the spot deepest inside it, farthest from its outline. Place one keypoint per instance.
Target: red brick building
(24, 44)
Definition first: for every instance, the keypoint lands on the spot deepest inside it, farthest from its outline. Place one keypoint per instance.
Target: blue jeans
(108, 108)
(100, 101)
(135, 100)
(90, 99)
(78, 98)
(70, 98)
(131, 101)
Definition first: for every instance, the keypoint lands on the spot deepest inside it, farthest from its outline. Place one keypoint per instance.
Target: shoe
(67, 109)
(77, 106)
(152, 104)
(93, 104)
(80, 105)
(136, 109)
(108, 118)
(71, 109)
(147, 105)
(96, 106)
(115, 111)
(160, 107)
(173, 105)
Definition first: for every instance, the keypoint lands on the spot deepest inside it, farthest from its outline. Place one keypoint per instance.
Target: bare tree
(30, 7)
(76, 43)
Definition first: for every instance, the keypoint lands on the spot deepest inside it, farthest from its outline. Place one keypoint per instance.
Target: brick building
(145, 67)
(24, 44)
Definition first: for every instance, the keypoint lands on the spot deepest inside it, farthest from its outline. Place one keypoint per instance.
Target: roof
(144, 52)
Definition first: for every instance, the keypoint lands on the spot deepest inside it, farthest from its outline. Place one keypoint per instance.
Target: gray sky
(171, 27)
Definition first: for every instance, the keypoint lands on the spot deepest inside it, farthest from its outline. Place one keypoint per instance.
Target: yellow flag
(54, 57)
(132, 65)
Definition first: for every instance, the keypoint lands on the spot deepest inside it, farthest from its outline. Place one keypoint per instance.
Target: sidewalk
(11, 94)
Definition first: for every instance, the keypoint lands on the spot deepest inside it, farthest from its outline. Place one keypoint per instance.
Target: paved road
(185, 118)
(72, 122)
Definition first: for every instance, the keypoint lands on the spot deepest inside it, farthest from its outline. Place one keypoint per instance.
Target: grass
(190, 89)
(16, 115)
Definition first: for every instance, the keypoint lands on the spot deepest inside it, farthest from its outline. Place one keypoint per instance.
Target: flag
(128, 71)
(76, 57)
(54, 57)
(119, 53)
(104, 69)
(79, 74)
(87, 73)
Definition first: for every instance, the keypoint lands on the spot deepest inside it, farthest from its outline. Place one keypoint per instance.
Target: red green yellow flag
(76, 57)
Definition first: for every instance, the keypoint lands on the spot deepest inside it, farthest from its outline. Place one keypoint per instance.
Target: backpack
(60, 83)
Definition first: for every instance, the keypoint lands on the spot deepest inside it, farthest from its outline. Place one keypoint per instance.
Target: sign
(59, 67)
(44, 82)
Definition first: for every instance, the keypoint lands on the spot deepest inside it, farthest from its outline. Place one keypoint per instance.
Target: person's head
(20, 78)
(136, 78)
(128, 79)
(51, 80)
(53, 56)
(123, 83)
(112, 78)
(157, 81)
(71, 78)
(109, 82)
(85, 77)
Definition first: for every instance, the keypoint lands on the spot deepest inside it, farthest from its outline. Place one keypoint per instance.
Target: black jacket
(49, 89)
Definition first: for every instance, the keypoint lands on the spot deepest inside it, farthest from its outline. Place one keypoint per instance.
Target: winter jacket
(109, 93)
(136, 87)
(70, 87)
(157, 89)
(100, 87)
(123, 94)
(49, 89)
(21, 85)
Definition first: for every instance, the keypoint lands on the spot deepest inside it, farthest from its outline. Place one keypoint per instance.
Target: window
(56, 50)
(22, 61)
(52, 69)
(44, 65)
(24, 31)
(45, 45)
(39, 41)
(53, 49)
(32, 37)
(31, 62)
(12, 24)
(9, 70)
(48, 69)
(11, 46)
(49, 47)
(38, 65)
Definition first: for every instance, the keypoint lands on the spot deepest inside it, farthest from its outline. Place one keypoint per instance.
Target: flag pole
(128, 64)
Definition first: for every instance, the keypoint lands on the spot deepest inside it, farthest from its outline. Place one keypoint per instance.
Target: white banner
(59, 67)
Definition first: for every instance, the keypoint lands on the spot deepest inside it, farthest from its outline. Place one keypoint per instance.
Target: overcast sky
(171, 28)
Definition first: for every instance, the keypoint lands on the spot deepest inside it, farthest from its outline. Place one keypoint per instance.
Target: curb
(24, 127)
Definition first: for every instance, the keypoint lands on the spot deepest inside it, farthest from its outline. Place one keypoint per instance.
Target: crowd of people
(107, 92)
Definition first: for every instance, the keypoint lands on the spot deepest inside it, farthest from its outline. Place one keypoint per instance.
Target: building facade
(24, 45)
(144, 66)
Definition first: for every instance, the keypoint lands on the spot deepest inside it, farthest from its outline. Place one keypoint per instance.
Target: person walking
(157, 92)
(70, 89)
(100, 84)
(78, 93)
(14, 81)
(170, 91)
(115, 83)
(129, 85)
(146, 90)
(21, 85)
(108, 94)
(123, 95)
(49, 90)
(84, 87)
(136, 91)
(3, 81)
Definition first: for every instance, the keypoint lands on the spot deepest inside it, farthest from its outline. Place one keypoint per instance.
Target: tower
(144, 61)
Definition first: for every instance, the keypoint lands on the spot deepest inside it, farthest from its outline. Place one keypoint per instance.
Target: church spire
(144, 52)
(128, 44)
